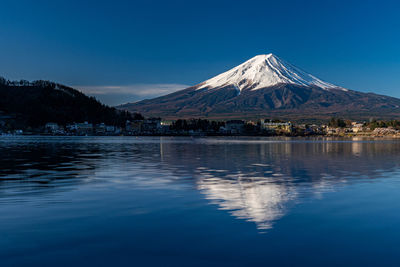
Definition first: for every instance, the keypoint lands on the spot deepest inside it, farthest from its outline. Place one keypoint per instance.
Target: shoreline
(366, 136)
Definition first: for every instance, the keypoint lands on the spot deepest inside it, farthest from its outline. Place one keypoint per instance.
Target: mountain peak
(266, 86)
(263, 71)
(264, 56)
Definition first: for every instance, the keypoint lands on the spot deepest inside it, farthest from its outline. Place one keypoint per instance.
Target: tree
(337, 123)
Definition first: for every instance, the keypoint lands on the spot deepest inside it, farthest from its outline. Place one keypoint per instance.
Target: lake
(165, 201)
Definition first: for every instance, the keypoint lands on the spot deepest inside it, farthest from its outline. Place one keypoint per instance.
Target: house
(151, 126)
(52, 127)
(357, 127)
(133, 127)
(110, 129)
(312, 129)
(270, 126)
(165, 127)
(100, 129)
(336, 131)
(330, 130)
(81, 128)
(234, 126)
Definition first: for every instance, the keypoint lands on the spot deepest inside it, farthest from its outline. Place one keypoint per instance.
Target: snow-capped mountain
(267, 86)
(264, 71)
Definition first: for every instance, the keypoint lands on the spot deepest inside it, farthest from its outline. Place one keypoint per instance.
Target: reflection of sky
(259, 181)
(253, 180)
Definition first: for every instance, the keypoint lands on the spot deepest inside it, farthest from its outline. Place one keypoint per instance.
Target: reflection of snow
(258, 201)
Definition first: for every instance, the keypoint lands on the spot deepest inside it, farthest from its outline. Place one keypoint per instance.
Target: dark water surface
(115, 201)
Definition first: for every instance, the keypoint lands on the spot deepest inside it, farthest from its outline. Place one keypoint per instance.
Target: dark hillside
(36, 103)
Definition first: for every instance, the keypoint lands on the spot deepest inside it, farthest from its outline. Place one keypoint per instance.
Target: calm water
(115, 201)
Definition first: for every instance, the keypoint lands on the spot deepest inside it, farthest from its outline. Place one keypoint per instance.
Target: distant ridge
(267, 86)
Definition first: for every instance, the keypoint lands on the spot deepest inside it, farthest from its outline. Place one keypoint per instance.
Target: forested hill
(36, 103)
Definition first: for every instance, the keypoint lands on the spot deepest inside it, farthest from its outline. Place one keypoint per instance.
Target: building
(110, 129)
(52, 127)
(133, 127)
(234, 126)
(81, 128)
(357, 127)
(100, 129)
(270, 126)
(151, 126)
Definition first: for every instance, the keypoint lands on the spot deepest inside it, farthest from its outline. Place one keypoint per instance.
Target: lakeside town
(48, 108)
(203, 127)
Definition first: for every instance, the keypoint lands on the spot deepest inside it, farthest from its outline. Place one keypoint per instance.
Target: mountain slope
(267, 86)
(34, 104)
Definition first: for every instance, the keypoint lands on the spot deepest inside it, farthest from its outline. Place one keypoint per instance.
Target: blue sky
(122, 51)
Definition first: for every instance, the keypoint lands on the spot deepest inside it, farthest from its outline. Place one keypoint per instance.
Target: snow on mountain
(264, 71)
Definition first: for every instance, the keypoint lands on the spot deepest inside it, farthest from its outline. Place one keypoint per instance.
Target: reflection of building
(356, 148)
(257, 201)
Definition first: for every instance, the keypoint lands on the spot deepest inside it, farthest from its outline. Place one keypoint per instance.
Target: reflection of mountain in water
(253, 200)
(259, 181)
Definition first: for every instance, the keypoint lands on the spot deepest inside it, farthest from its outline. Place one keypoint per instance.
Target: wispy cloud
(119, 94)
